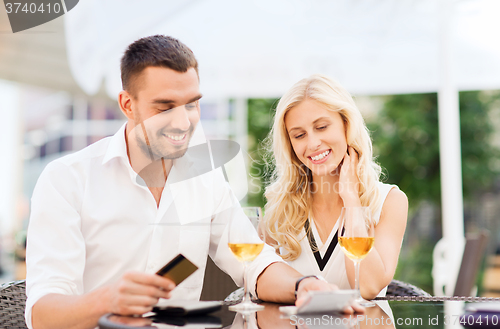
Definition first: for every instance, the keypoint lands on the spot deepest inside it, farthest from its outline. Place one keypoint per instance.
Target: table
(387, 314)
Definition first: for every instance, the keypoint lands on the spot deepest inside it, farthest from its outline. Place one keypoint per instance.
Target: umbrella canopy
(259, 48)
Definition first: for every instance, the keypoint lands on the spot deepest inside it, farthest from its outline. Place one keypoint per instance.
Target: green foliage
(479, 155)
(406, 143)
(406, 140)
(260, 120)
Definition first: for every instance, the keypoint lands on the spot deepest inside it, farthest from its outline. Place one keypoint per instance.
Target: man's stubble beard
(154, 151)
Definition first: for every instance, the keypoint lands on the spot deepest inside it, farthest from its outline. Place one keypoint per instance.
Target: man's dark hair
(158, 51)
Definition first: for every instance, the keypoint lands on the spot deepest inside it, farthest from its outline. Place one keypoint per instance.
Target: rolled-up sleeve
(228, 208)
(55, 252)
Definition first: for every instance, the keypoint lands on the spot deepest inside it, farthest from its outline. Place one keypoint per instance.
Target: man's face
(165, 111)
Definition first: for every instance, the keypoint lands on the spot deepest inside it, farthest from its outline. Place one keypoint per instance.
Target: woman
(323, 162)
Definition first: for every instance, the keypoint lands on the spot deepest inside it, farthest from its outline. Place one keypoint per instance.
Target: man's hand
(137, 293)
(311, 284)
(134, 294)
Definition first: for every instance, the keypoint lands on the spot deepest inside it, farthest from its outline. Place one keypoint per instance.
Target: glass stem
(246, 298)
(356, 279)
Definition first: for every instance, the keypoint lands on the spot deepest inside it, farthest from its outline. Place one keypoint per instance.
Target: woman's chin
(325, 170)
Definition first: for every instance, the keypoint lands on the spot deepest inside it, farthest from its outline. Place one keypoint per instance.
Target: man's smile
(176, 139)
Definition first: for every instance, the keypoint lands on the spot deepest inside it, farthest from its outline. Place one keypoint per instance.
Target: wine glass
(356, 236)
(246, 245)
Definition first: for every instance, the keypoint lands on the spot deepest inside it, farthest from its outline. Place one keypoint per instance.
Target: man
(106, 218)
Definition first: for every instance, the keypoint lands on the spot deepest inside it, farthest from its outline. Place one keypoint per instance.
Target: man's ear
(125, 102)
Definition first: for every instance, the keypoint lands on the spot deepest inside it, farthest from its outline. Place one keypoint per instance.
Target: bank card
(178, 269)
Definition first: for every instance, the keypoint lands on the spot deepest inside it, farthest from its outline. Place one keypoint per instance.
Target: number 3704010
(32, 8)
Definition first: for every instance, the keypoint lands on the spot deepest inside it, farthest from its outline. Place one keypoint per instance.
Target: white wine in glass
(356, 248)
(246, 252)
(246, 244)
(356, 236)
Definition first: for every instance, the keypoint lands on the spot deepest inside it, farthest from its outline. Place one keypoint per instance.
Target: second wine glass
(356, 236)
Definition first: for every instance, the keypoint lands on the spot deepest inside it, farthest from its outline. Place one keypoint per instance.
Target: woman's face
(317, 135)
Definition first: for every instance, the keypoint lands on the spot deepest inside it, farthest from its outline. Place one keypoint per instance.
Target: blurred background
(425, 75)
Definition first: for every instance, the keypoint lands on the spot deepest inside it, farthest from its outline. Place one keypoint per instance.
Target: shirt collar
(117, 147)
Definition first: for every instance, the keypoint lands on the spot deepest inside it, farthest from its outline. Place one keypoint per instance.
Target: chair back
(475, 246)
(400, 288)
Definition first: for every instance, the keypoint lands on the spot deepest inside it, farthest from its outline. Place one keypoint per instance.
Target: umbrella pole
(450, 152)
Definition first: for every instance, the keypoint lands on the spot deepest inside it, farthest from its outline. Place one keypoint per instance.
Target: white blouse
(330, 263)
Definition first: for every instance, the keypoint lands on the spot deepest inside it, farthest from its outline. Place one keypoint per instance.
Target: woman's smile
(320, 157)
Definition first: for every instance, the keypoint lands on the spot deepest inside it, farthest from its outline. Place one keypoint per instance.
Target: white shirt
(334, 269)
(91, 222)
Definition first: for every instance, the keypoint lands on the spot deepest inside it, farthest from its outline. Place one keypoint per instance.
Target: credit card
(178, 269)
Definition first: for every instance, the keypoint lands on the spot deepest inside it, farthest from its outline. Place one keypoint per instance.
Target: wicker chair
(399, 288)
(12, 304)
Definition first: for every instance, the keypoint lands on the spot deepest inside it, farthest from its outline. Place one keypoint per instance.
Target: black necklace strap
(314, 247)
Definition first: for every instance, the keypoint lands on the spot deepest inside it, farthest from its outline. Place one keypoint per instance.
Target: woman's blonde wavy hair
(289, 192)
